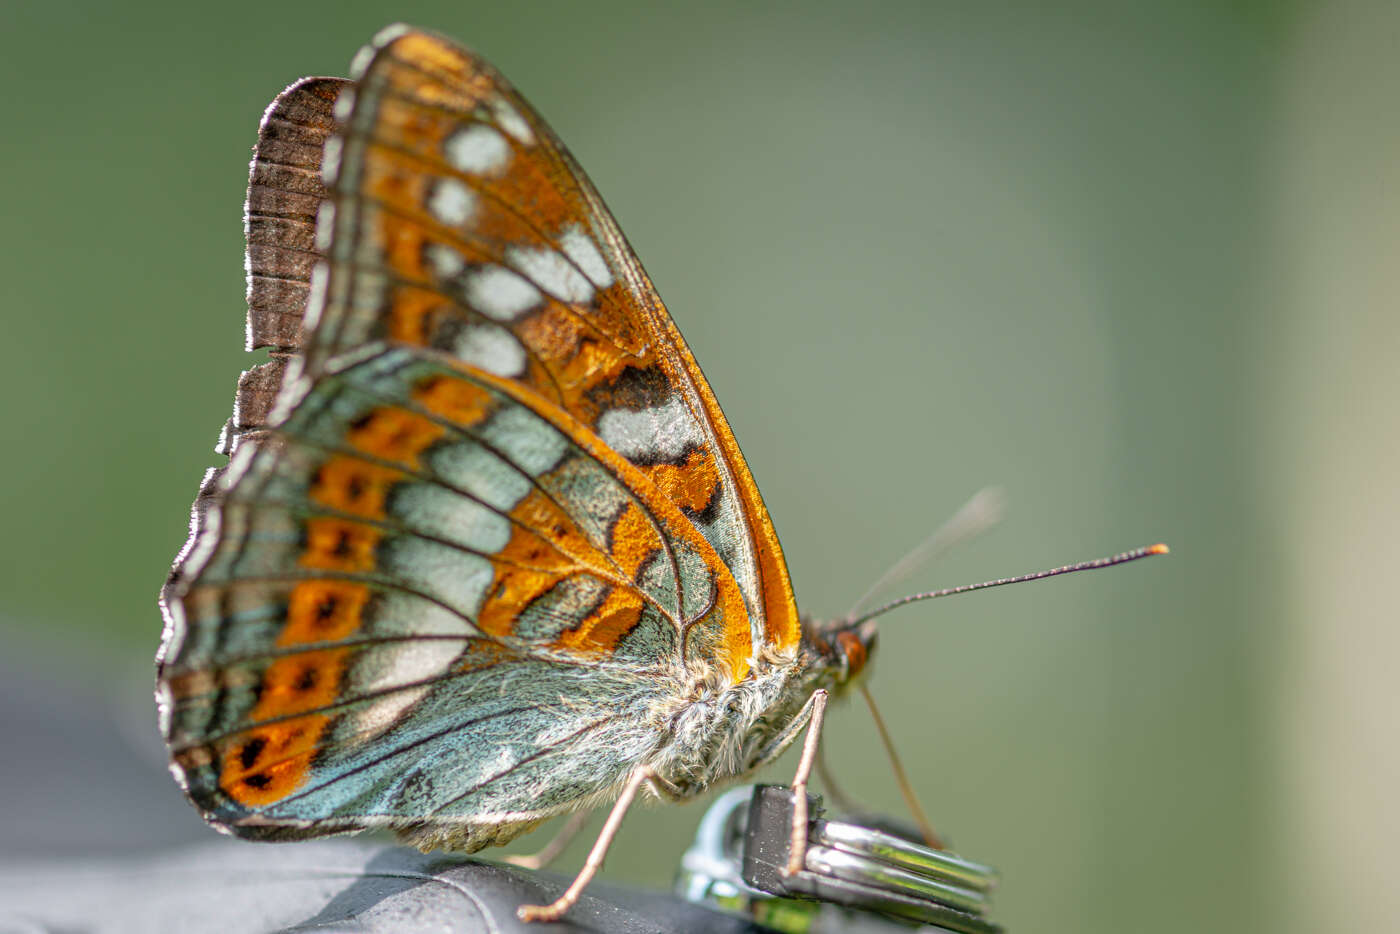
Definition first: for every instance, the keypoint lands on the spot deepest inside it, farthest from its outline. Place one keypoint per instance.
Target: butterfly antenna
(901, 777)
(982, 511)
(911, 800)
(1097, 563)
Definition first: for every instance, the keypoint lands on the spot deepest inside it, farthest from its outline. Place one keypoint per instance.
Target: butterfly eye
(856, 651)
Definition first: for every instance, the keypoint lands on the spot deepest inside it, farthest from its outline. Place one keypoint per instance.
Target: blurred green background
(1135, 263)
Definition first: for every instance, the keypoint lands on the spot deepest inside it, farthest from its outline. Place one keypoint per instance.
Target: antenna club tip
(1158, 549)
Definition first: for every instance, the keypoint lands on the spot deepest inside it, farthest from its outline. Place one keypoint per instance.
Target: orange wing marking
(526, 568)
(351, 485)
(323, 611)
(456, 400)
(339, 545)
(599, 633)
(266, 763)
(692, 485)
(394, 434)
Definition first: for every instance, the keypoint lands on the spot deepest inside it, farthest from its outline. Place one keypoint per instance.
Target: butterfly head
(844, 645)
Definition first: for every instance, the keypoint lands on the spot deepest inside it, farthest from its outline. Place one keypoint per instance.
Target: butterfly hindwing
(423, 561)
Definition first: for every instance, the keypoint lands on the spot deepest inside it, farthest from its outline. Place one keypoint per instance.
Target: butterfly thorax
(724, 730)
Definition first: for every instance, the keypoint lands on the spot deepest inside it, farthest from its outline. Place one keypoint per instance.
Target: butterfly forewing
(461, 223)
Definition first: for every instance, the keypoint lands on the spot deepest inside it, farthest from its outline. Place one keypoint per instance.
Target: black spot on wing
(633, 388)
(251, 750)
(708, 513)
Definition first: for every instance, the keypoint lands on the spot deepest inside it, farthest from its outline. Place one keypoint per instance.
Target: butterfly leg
(797, 848)
(551, 850)
(643, 775)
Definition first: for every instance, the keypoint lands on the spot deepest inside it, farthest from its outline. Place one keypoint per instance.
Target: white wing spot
(388, 34)
(400, 614)
(331, 152)
(665, 430)
(480, 472)
(511, 121)
(325, 225)
(452, 517)
(362, 58)
(446, 262)
(531, 443)
(501, 294)
(551, 271)
(315, 294)
(492, 348)
(580, 248)
(391, 666)
(381, 714)
(457, 578)
(344, 107)
(477, 150)
(452, 202)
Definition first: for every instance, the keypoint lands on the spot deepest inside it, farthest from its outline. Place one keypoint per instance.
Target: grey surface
(82, 772)
(229, 886)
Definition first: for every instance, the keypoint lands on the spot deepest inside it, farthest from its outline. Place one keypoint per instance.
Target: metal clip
(740, 855)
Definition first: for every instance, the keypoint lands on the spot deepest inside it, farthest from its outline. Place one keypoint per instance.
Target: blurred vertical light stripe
(1330, 407)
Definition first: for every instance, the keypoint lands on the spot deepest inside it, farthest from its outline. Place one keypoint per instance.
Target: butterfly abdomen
(716, 732)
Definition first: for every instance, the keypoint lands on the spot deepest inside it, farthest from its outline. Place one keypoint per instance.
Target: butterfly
(485, 550)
